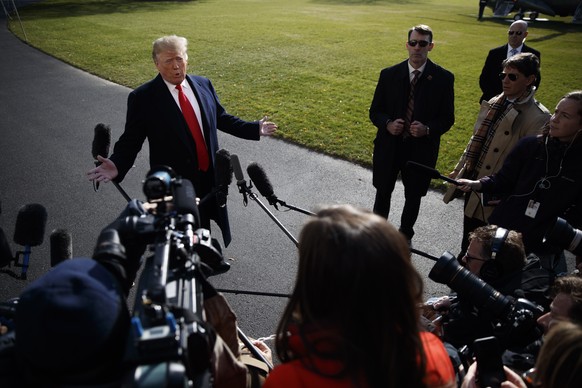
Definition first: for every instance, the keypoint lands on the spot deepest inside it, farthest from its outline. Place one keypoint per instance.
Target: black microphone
(434, 174)
(100, 145)
(101, 141)
(185, 199)
(262, 183)
(240, 178)
(61, 246)
(29, 231)
(223, 170)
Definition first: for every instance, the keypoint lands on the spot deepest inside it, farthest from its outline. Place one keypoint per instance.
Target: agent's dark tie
(192, 121)
(410, 107)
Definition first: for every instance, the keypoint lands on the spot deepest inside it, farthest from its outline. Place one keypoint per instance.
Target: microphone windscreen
(5, 251)
(61, 246)
(101, 141)
(30, 224)
(185, 200)
(223, 168)
(238, 174)
(259, 178)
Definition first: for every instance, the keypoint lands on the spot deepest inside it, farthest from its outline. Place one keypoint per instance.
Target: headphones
(492, 269)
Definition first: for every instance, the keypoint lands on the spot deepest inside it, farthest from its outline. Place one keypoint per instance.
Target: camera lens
(565, 236)
(447, 270)
(157, 184)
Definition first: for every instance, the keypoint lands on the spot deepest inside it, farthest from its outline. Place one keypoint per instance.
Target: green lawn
(310, 65)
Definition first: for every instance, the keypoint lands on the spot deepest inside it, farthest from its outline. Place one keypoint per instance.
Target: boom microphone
(61, 246)
(262, 183)
(29, 231)
(434, 174)
(224, 173)
(101, 141)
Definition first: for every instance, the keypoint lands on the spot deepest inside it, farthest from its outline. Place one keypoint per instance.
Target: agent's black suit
(153, 113)
(489, 79)
(434, 107)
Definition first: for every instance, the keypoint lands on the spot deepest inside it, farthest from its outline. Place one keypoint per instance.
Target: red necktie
(192, 121)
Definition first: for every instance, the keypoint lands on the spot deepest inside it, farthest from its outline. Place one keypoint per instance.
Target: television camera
(170, 343)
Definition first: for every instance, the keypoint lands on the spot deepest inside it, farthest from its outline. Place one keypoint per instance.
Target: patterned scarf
(481, 139)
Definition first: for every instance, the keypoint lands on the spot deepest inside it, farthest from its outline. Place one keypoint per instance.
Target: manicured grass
(310, 65)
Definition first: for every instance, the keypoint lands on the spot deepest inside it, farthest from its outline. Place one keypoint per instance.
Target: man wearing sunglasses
(413, 106)
(502, 121)
(488, 80)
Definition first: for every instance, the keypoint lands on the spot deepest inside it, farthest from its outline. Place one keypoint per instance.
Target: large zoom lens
(447, 270)
(565, 236)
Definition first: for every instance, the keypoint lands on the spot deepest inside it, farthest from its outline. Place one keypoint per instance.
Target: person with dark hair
(488, 80)
(501, 122)
(541, 180)
(566, 302)
(179, 114)
(413, 106)
(352, 319)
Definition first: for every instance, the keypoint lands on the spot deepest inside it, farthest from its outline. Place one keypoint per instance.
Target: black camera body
(514, 319)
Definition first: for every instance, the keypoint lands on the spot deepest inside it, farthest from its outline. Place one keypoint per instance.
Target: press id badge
(532, 208)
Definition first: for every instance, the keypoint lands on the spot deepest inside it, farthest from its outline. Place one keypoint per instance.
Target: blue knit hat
(72, 321)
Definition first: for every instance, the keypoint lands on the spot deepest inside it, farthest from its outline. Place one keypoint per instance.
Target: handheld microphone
(224, 173)
(100, 145)
(240, 178)
(29, 231)
(101, 141)
(434, 174)
(262, 183)
(61, 246)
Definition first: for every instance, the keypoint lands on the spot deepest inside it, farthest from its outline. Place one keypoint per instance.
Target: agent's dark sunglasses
(512, 77)
(518, 33)
(421, 43)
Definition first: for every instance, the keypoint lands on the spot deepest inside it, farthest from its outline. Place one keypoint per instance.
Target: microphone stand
(246, 190)
(421, 253)
(282, 203)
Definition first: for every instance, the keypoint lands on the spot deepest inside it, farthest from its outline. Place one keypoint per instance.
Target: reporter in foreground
(352, 319)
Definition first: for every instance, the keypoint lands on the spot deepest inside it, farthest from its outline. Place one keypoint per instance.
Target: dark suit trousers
(411, 205)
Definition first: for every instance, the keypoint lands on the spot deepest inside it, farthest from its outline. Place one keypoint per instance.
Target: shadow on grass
(42, 10)
(549, 29)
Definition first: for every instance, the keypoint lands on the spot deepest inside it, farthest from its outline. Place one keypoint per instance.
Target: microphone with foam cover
(61, 246)
(101, 141)
(101, 144)
(262, 183)
(224, 171)
(29, 230)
